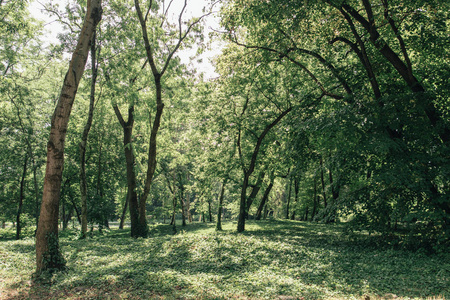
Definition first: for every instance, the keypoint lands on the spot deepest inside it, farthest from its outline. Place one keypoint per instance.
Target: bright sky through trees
(200, 63)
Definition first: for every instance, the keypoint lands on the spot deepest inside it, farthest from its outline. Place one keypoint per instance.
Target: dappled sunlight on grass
(271, 260)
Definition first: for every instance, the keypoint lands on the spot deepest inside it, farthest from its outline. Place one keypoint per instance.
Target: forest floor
(271, 260)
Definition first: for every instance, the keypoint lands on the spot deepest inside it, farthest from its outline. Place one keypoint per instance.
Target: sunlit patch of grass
(271, 260)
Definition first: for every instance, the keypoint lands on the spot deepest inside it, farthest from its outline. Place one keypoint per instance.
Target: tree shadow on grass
(272, 259)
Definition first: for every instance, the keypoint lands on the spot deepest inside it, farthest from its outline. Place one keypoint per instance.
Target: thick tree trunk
(48, 255)
(21, 196)
(84, 137)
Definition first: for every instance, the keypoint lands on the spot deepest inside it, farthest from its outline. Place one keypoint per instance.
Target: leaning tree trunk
(251, 168)
(254, 193)
(263, 203)
(82, 146)
(48, 255)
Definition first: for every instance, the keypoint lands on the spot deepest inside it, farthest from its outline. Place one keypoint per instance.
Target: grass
(271, 260)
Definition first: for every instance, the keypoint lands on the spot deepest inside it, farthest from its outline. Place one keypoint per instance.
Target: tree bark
(48, 255)
(21, 196)
(157, 76)
(130, 160)
(254, 193)
(220, 210)
(124, 211)
(288, 198)
(265, 198)
(84, 137)
(322, 180)
(314, 200)
(296, 189)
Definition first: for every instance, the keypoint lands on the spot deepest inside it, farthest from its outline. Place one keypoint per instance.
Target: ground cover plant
(271, 260)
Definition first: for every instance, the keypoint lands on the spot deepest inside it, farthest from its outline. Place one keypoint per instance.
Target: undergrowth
(271, 260)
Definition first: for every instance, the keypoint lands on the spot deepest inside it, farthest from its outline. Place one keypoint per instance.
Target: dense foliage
(323, 111)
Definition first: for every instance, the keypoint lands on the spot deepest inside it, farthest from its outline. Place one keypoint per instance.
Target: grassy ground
(272, 260)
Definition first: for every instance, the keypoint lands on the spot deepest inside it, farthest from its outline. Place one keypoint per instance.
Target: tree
(82, 145)
(373, 83)
(48, 255)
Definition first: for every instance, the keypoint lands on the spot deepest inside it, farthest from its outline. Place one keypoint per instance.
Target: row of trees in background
(328, 111)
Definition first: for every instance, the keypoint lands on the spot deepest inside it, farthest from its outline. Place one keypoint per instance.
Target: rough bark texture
(47, 250)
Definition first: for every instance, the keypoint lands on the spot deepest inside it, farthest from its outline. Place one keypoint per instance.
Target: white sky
(194, 8)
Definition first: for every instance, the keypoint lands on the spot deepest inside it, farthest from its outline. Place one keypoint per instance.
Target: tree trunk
(323, 184)
(314, 200)
(131, 175)
(242, 204)
(21, 196)
(36, 194)
(48, 255)
(183, 215)
(66, 217)
(254, 193)
(251, 168)
(219, 211)
(74, 206)
(182, 202)
(296, 189)
(84, 137)
(266, 211)
(288, 198)
(265, 198)
(124, 211)
(174, 214)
